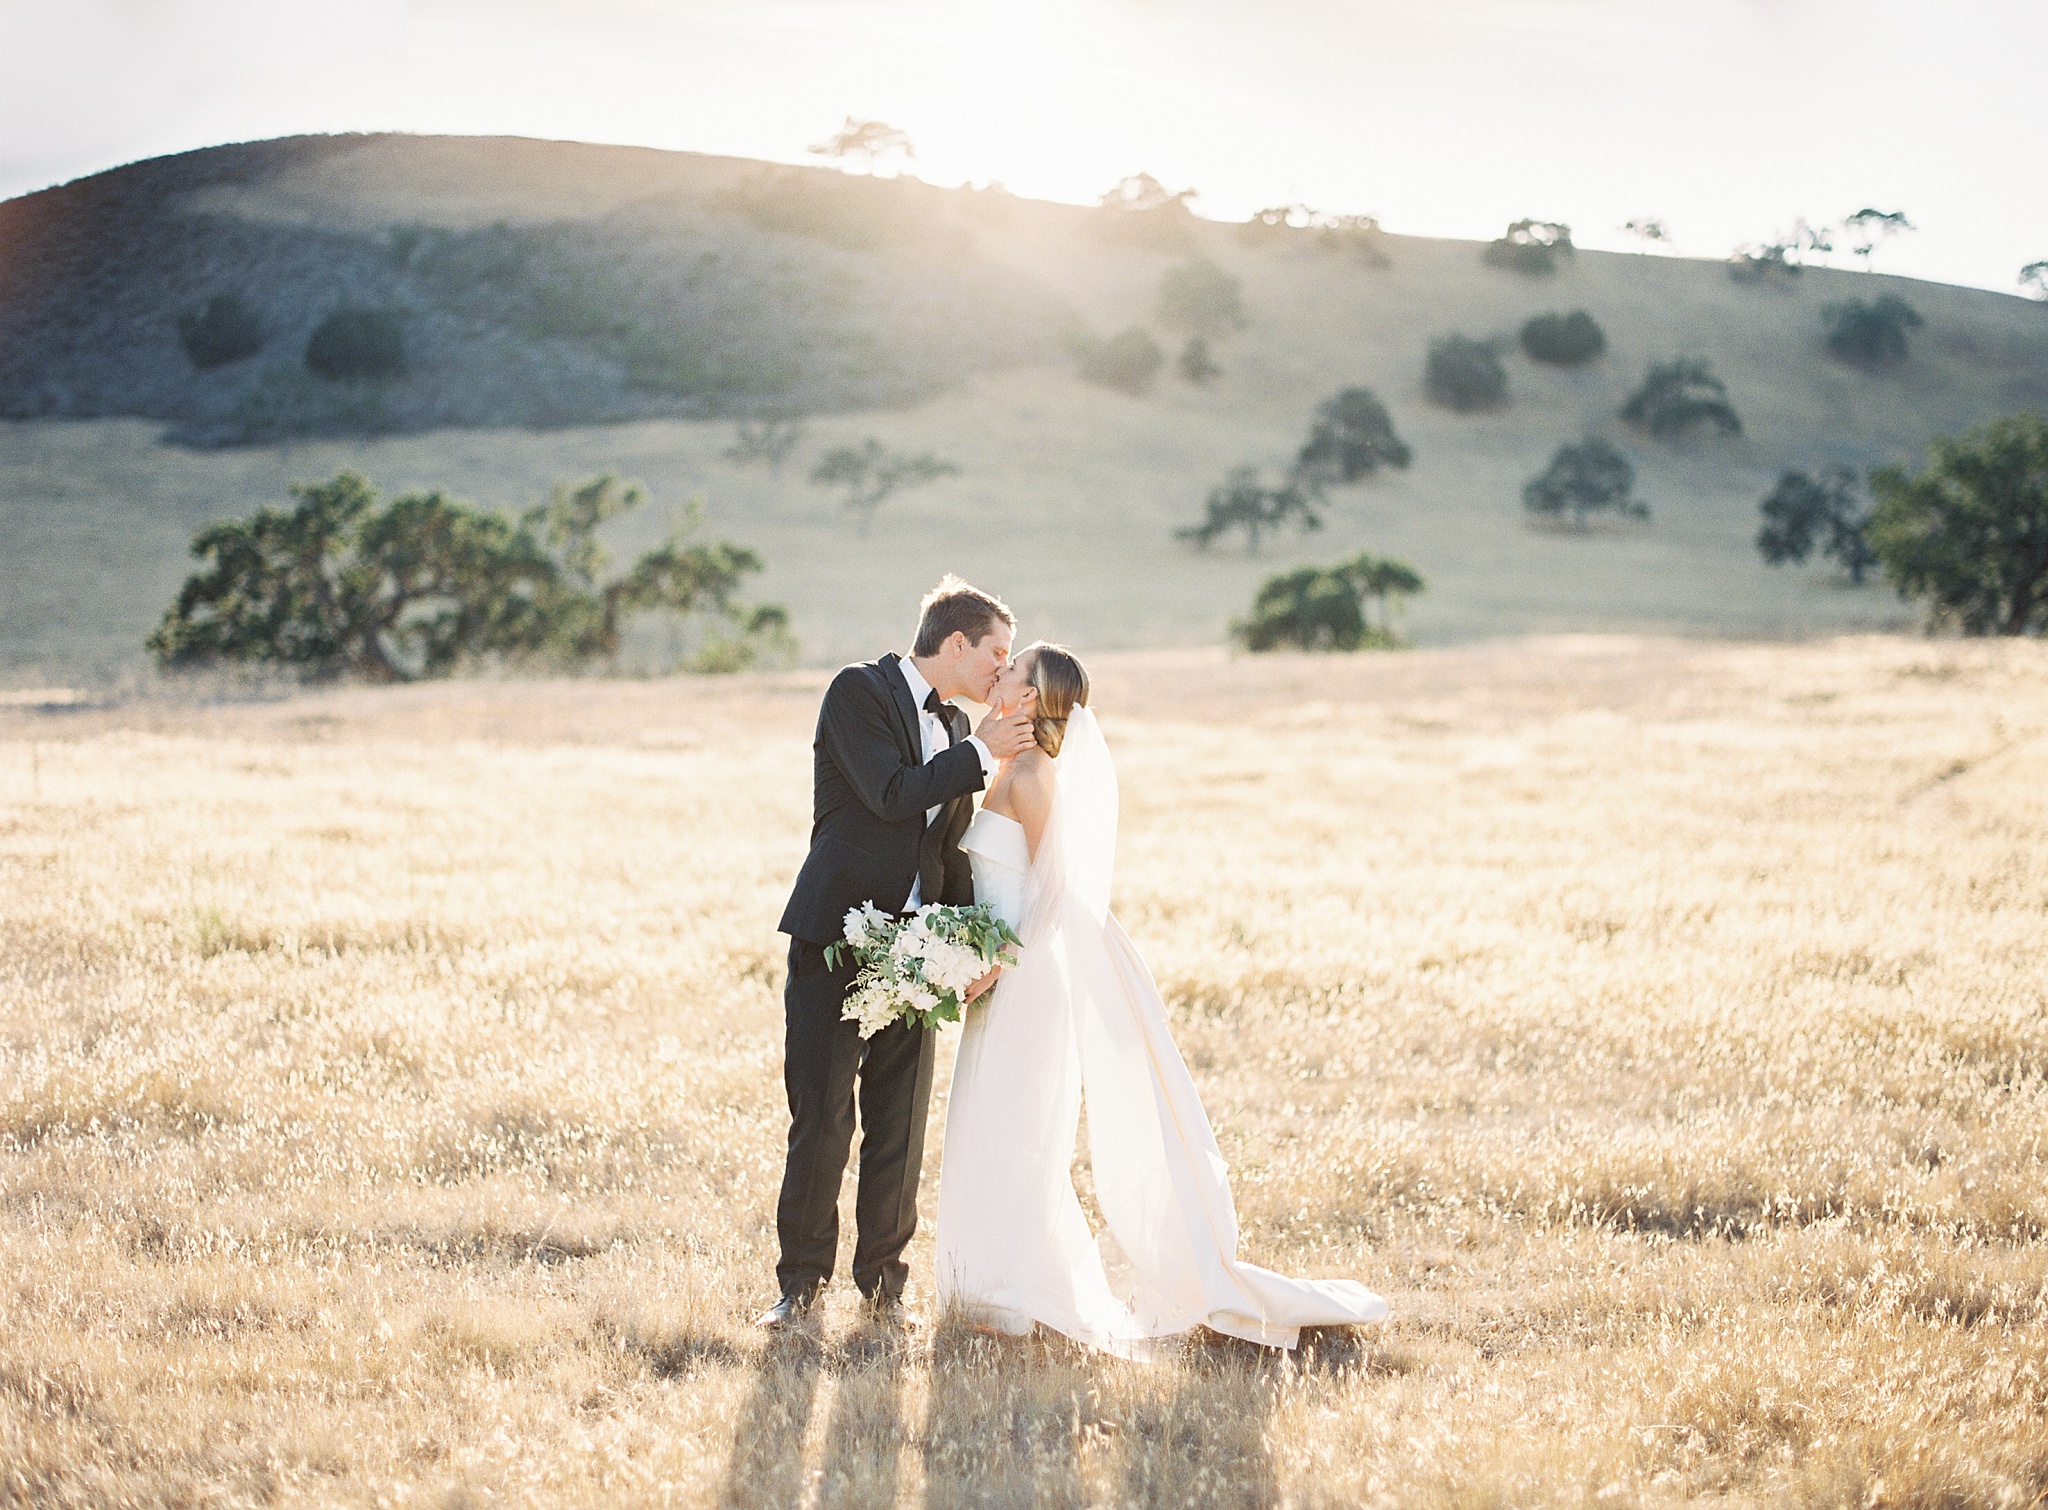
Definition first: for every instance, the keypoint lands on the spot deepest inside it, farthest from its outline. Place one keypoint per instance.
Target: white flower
(856, 927)
(952, 967)
(921, 998)
(872, 1006)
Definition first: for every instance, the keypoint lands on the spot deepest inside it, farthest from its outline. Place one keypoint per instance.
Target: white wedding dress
(1080, 1020)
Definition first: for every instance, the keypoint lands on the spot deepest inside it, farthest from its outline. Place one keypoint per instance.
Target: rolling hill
(567, 308)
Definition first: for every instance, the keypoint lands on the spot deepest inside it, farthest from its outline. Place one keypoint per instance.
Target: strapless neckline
(994, 839)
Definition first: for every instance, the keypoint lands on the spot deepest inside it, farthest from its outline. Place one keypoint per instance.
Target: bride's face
(1013, 689)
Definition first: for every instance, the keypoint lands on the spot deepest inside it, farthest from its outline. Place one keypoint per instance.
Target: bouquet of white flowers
(918, 967)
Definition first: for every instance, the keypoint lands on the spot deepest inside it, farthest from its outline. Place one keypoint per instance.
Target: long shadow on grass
(1193, 1431)
(865, 1435)
(1006, 1421)
(767, 1466)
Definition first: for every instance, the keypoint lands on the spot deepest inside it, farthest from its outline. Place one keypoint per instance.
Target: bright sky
(1727, 118)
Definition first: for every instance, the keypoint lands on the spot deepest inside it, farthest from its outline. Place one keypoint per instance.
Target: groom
(894, 773)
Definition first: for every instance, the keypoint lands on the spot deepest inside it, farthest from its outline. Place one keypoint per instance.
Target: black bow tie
(935, 705)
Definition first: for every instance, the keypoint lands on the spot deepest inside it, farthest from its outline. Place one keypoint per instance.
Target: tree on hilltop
(1361, 235)
(1128, 361)
(1586, 478)
(1386, 582)
(771, 441)
(1142, 194)
(1533, 247)
(1199, 299)
(343, 586)
(1870, 331)
(1805, 514)
(1141, 210)
(1570, 340)
(871, 473)
(1325, 608)
(357, 345)
(1868, 229)
(866, 142)
(1679, 396)
(2034, 280)
(1783, 257)
(226, 330)
(1352, 438)
(1243, 502)
(1969, 532)
(1195, 362)
(1650, 230)
(1464, 374)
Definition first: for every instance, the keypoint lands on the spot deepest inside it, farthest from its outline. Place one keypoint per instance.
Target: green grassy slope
(1068, 493)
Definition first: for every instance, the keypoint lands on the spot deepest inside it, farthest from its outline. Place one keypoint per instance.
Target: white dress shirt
(936, 738)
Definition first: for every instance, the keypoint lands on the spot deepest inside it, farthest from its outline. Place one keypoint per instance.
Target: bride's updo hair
(1062, 686)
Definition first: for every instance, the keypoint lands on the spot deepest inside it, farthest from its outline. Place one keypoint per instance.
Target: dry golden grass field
(390, 1106)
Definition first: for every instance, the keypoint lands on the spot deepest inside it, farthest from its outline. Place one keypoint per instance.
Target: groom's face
(980, 664)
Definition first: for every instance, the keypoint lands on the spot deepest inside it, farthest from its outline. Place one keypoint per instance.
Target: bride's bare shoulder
(1031, 781)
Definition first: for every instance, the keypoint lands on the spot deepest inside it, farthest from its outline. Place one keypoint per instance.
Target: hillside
(567, 308)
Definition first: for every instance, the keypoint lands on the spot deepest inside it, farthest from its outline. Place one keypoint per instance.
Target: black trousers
(828, 1067)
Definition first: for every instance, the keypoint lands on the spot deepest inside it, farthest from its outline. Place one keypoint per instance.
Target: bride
(1079, 1021)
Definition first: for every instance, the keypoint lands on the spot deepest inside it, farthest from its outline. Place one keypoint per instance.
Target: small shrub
(1678, 396)
(1199, 299)
(356, 345)
(1588, 478)
(1242, 502)
(1868, 332)
(1564, 340)
(227, 330)
(1353, 437)
(1317, 608)
(1196, 365)
(1128, 361)
(1464, 374)
(1531, 247)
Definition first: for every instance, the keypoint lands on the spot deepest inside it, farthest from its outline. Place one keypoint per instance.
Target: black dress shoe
(887, 1310)
(787, 1311)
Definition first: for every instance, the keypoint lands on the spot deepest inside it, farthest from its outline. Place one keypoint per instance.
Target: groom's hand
(984, 983)
(1006, 735)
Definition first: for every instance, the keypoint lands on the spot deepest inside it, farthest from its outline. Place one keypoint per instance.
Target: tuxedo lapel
(906, 710)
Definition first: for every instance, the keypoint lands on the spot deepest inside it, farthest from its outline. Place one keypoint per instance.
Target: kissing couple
(1076, 1020)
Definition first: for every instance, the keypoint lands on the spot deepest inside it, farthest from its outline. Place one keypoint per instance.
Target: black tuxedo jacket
(871, 788)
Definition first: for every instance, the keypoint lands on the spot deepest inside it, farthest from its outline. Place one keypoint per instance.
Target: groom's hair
(955, 605)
